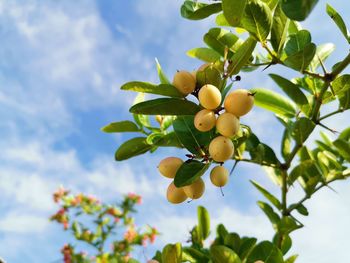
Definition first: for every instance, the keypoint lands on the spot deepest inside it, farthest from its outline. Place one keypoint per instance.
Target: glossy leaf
(298, 9)
(242, 56)
(300, 170)
(322, 53)
(168, 140)
(162, 77)
(247, 245)
(193, 255)
(189, 172)
(233, 11)
(133, 147)
(232, 241)
(203, 222)
(286, 144)
(287, 225)
(205, 54)
(197, 11)
(297, 42)
(219, 39)
(266, 252)
(121, 126)
(192, 139)
(257, 19)
(292, 90)
(341, 85)
(284, 241)
(172, 253)
(221, 20)
(274, 102)
(338, 20)
(301, 60)
(279, 29)
(302, 129)
(222, 254)
(268, 195)
(343, 148)
(165, 106)
(291, 259)
(274, 174)
(145, 87)
(210, 75)
(270, 213)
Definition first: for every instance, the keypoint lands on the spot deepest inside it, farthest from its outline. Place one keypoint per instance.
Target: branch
(331, 114)
(256, 162)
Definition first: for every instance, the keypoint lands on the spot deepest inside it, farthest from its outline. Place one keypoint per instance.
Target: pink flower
(130, 235)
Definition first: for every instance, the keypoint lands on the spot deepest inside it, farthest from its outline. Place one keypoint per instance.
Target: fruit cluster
(236, 104)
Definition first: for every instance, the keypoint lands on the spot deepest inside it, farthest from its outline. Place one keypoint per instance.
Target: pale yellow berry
(175, 195)
(219, 176)
(221, 149)
(209, 97)
(204, 120)
(239, 102)
(169, 166)
(227, 124)
(195, 190)
(184, 82)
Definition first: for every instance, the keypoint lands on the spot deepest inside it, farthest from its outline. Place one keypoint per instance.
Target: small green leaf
(322, 53)
(205, 54)
(270, 213)
(133, 147)
(302, 129)
(210, 75)
(222, 254)
(189, 172)
(162, 77)
(298, 9)
(268, 195)
(284, 241)
(145, 87)
(300, 170)
(221, 20)
(203, 222)
(192, 255)
(297, 42)
(343, 148)
(219, 39)
(166, 106)
(279, 29)
(172, 253)
(274, 174)
(344, 100)
(242, 56)
(121, 126)
(300, 208)
(232, 241)
(291, 259)
(266, 252)
(287, 225)
(197, 11)
(286, 144)
(257, 19)
(168, 140)
(338, 20)
(301, 60)
(274, 102)
(292, 90)
(233, 11)
(247, 245)
(341, 85)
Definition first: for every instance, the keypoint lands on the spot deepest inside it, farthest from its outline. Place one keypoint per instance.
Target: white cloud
(19, 223)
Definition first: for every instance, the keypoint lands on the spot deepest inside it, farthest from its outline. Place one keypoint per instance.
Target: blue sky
(62, 63)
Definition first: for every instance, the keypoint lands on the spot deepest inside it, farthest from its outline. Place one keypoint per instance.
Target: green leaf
(341, 85)
(301, 60)
(192, 139)
(219, 39)
(345, 134)
(192, 255)
(270, 213)
(210, 75)
(343, 148)
(166, 106)
(232, 241)
(203, 222)
(274, 174)
(189, 172)
(266, 252)
(168, 140)
(300, 170)
(274, 102)
(257, 19)
(302, 129)
(292, 90)
(197, 11)
(205, 54)
(294, 27)
(297, 42)
(268, 195)
(222, 254)
(284, 240)
(221, 20)
(145, 87)
(344, 101)
(287, 225)
(322, 53)
(233, 11)
(291, 259)
(286, 144)
(298, 9)
(221, 232)
(121, 126)
(242, 56)
(162, 77)
(300, 208)
(172, 253)
(338, 20)
(279, 29)
(133, 147)
(247, 245)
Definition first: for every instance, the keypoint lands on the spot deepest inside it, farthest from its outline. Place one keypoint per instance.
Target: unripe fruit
(221, 149)
(159, 119)
(195, 190)
(219, 176)
(227, 124)
(169, 166)
(175, 195)
(184, 82)
(239, 102)
(204, 120)
(209, 97)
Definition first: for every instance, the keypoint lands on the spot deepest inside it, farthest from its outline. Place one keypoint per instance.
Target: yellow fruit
(219, 176)
(195, 190)
(175, 195)
(159, 119)
(203, 67)
(239, 102)
(169, 166)
(227, 124)
(184, 82)
(209, 97)
(221, 149)
(194, 75)
(204, 120)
